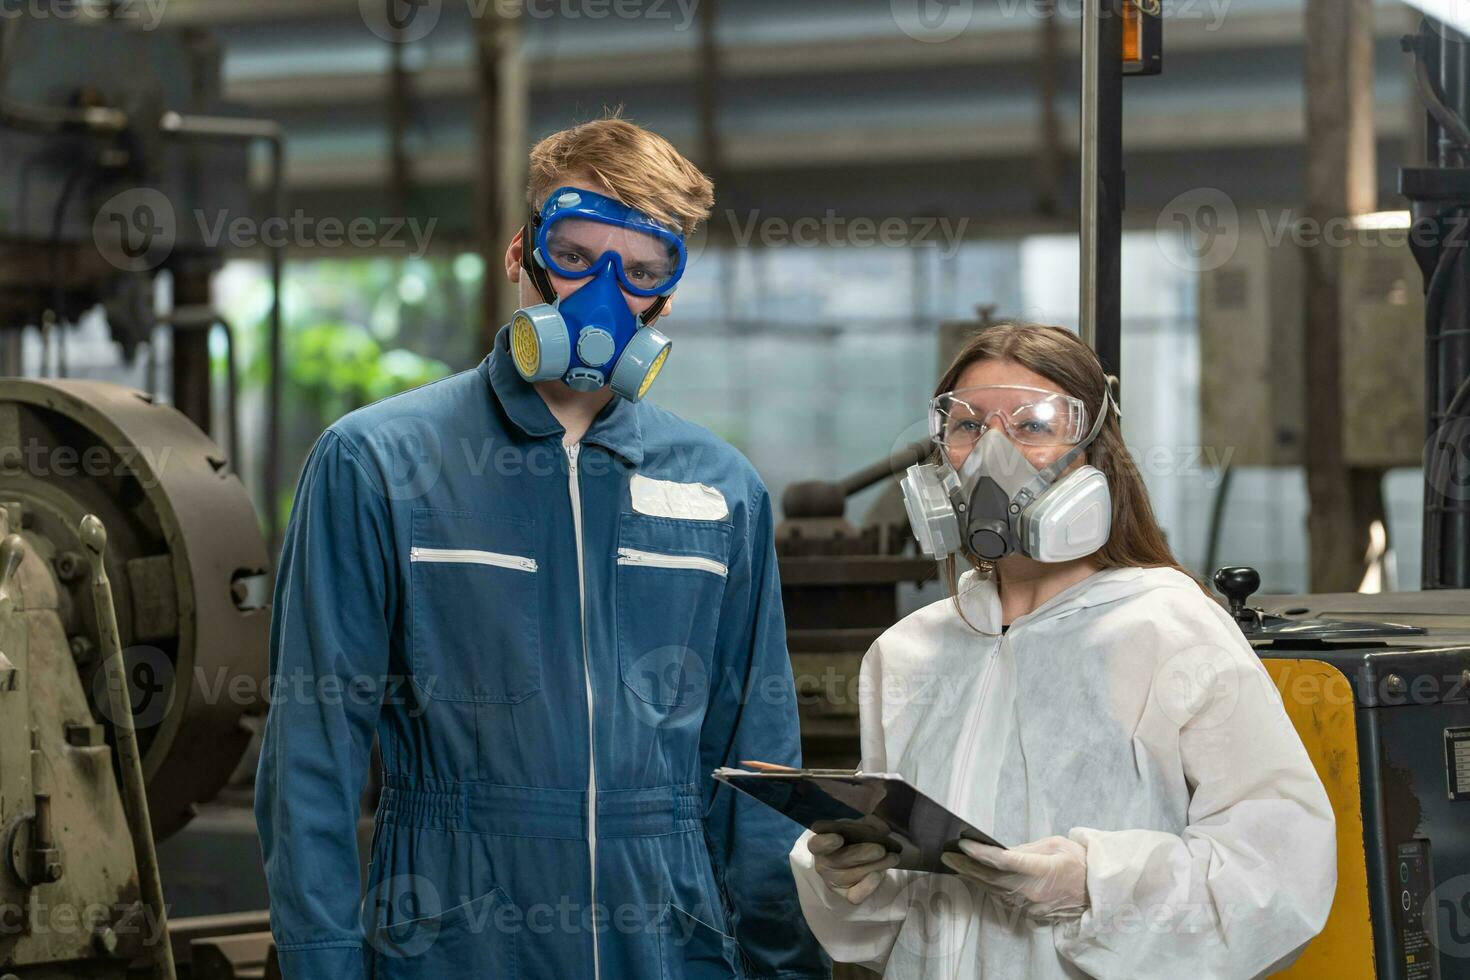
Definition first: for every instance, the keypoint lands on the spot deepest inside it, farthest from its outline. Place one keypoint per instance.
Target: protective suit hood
(980, 595)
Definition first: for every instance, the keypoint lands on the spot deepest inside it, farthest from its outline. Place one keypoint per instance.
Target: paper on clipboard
(863, 807)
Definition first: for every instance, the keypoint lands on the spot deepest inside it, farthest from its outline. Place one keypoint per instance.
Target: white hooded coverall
(1129, 714)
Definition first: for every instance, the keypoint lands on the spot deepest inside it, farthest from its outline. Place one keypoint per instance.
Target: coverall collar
(616, 427)
(980, 597)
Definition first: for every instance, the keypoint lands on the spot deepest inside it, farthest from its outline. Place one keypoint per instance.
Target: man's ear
(513, 253)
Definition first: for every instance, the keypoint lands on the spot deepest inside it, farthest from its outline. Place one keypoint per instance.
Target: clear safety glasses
(1031, 416)
(580, 231)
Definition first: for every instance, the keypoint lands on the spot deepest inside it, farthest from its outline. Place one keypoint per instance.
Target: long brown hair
(1060, 356)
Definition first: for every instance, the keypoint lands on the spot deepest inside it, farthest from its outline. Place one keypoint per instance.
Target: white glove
(855, 870)
(1046, 879)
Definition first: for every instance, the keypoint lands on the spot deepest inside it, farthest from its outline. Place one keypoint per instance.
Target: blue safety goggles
(579, 233)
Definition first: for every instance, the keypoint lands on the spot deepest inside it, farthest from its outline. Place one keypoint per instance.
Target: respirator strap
(651, 314)
(539, 276)
(1048, 476)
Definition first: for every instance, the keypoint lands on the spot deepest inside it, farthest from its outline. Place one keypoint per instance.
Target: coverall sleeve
(865, 933)
(328, 659)
(752, 715)
(1250, 881)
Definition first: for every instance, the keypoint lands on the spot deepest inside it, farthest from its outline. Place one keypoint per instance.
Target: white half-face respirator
(998, 504)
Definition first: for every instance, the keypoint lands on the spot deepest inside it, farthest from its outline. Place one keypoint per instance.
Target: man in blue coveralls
(557, 607)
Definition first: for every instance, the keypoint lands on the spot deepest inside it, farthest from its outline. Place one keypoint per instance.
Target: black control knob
(1239, 583)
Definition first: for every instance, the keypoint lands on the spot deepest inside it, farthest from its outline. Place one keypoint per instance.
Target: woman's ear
(513, 254)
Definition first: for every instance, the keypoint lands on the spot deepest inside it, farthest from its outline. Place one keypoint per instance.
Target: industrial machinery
(134, 585)
(124, 169)
(1384, 711)
(835, 572)
(1384, 707)
(125, 534)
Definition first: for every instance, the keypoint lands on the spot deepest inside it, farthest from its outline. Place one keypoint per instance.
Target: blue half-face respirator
(590, 338)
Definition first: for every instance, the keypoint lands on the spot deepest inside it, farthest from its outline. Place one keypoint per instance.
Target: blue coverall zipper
(574, 488)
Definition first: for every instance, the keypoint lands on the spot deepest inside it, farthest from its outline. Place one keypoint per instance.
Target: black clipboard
(863, 807)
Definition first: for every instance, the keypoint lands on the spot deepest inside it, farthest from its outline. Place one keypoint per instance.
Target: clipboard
(879, 808)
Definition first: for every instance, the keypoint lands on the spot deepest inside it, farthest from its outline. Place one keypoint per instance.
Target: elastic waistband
(524, 811)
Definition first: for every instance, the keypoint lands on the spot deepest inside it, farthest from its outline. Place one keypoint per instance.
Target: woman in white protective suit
(1083, 700)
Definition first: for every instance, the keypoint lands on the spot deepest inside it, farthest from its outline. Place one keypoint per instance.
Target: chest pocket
(474, 630)
(670, 582)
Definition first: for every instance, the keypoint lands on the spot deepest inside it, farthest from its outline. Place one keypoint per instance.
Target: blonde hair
(1060, 356)
(639, 167)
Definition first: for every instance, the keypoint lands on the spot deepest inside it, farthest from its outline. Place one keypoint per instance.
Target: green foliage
(355, 331)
